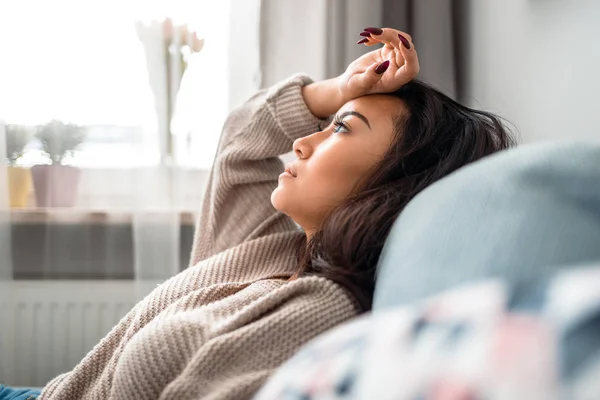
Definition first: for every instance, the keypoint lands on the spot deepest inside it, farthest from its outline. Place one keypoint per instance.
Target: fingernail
(404, 41)
(374, 31)
(361, 41)
(381, 68)
(367, 34)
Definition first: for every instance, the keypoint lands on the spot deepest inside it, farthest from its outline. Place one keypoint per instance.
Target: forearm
(323, 98)
(247, 166)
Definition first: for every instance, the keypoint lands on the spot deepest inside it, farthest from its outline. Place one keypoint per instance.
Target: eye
(340, 126)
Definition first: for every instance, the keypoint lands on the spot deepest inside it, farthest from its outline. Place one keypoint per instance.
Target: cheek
(324, 181)
(322, 186)
(331, 178)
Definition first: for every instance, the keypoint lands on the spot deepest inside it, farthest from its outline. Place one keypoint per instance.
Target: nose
(302, 147)
(305, 146)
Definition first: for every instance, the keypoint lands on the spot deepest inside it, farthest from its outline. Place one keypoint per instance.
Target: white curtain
(69, 273)
(433, 25)
(5, 237)
(317, 37)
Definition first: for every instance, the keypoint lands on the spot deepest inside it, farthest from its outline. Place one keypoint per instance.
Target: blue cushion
(7, 393)
(519, 214)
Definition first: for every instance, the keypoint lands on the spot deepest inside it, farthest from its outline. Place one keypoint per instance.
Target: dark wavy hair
(435, 137)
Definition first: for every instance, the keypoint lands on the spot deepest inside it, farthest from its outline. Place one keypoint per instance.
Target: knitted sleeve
(242, 353)
(237, 205)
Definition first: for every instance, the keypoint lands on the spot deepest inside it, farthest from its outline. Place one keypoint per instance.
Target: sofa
(488, 287)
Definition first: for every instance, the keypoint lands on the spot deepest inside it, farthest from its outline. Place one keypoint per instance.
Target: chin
(277, 199)
(282, 201)
(289, 205)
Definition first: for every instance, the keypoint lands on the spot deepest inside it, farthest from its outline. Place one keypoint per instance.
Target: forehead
(380, 110)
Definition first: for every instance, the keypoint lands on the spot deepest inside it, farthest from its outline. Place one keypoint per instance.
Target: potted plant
(19, 178)
(56, 184)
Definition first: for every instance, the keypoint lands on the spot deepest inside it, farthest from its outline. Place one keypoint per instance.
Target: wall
(535, 62)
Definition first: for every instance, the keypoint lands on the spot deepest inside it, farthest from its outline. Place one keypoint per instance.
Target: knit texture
(220, 328)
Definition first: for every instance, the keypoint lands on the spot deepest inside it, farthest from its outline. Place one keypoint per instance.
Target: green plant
(60, 140)
(17, 137)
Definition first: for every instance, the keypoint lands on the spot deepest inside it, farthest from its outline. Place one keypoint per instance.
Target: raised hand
(382, 70)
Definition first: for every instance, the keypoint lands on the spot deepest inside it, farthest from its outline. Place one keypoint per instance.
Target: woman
(258, 286)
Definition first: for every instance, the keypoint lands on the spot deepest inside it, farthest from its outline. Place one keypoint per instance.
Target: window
(96, 64)
(72, 270)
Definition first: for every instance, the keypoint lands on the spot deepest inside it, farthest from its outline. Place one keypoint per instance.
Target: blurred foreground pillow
(485, 340)
(518, 214)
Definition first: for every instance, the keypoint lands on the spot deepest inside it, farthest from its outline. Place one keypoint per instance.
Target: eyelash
(340, 124)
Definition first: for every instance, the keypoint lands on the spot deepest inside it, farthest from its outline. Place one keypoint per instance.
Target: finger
(401, 43)
(367, 41)
(392, 39)
(394, 46)
(374, 73)
(387, 36)
(371, 42)
(411, 67)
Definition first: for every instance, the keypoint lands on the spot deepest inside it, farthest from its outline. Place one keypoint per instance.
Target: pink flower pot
(55, 185)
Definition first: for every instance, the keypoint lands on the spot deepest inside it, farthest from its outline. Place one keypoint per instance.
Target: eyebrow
(356, 114)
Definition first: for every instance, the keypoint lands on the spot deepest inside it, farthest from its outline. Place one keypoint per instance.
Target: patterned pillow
(489, 340)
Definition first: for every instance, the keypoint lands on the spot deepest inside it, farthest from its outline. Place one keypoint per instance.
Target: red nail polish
(374, 31)
(404, 41)
(361, 41)
(366, 34)
(381, 68)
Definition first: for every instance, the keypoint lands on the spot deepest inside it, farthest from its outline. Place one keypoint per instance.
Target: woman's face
(332, 162)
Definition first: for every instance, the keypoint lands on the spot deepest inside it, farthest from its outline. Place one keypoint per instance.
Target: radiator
(47, 327)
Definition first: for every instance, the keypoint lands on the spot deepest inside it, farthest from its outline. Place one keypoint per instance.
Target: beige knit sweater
(220, 328)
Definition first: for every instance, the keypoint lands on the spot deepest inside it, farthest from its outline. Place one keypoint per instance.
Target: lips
(291, 169)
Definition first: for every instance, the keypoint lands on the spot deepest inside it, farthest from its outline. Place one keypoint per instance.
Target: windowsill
(118, 191)
(36, 216)
(80, 244)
